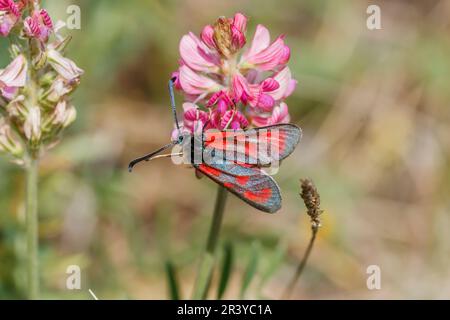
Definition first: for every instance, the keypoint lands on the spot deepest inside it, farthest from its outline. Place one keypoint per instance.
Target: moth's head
(183, 138)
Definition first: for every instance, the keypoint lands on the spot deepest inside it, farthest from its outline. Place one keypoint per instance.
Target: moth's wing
(259, 146)
(250, 184)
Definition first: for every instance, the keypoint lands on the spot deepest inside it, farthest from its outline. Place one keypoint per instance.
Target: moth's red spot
(242, 180)
(210, 139)
(228, 185)
(210, 170)
(260, 196)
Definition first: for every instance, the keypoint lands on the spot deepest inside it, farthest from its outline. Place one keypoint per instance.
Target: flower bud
(32, 125)
(16, 107)
(65, 67)
(7, 142)
(58, 89)
(64, 114)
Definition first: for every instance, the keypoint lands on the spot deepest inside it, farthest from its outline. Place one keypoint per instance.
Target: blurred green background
(374, 108)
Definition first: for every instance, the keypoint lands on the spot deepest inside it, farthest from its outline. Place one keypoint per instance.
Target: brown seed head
(311, 198)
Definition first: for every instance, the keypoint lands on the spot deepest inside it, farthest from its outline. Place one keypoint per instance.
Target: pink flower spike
(196, 84)
(196, 54)
(208, 36)
(15, 74)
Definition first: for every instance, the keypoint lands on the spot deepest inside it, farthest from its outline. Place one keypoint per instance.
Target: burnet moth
(235, 158)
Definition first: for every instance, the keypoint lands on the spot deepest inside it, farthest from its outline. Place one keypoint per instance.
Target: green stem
(301, 266)
(206, 266)
(32, 230)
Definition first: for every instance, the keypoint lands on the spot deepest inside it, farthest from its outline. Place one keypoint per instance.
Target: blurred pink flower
(230, 89)
(39, 25)
(13, 76)
(9, 15)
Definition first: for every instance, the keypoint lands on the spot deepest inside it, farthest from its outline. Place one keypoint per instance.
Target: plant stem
(206, 265)
(301, 266)
(32, 229)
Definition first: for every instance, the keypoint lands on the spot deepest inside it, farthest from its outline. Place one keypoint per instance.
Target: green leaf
(227, 266)
(172, 281)
(251, 269)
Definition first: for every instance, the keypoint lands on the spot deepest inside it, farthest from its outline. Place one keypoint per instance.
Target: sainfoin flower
(13, 76)
(35, 86)
(9, 15)
(229, 83)
(39, 25)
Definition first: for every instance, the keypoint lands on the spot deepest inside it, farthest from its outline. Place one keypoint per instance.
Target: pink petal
(65, 67)
(280, 114)
(240, 22)
(176, 75)
(208, 36)
(265, 102)
(235, 119)
(286, 55)
(261, 40)
(240, 87)
(7, 22)
(270, 84)
(284, 79)
(46, 18)
(9, 92)
(194, 119)
(197, 55)
(10, 6)
(268, 58)
(237, 37)
(196, 84)
(15, 74)
(291, 87)
(31, 27)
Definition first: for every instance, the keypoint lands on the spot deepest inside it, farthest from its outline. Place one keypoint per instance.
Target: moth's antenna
(172, 102)
(150, 156)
